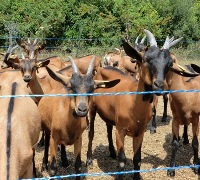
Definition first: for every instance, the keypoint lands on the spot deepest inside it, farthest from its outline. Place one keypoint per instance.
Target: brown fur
(25, 128)
(113, 58)
(129, 113)
(185, 110)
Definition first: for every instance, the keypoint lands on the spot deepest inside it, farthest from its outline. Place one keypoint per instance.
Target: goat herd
(63, 119)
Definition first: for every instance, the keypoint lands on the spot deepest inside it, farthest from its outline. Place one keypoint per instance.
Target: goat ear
(106, 84)
(196, 68)
(132, 52)
(42, 63)
(58, 77)
(13, 65)
(41, 47)
(182, 71)
(21, 43)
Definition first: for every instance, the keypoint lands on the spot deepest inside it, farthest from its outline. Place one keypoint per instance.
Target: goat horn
(166, 43)
(173, 43)
(143, 39)
(29, 42)
(15, 47)
(74, 67)
(23, 57)
(151, 38)
(91, 66)
(136, 40)
(171, 39)
(35, 41)
(182, 68)
(10, 38)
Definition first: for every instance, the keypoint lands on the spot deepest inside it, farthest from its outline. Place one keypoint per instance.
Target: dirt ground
(156, 152)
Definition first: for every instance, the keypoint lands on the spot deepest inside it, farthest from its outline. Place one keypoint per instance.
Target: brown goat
(64, 117)
(31, 47)
(130, 113)
(20, 127)
(113, 58)
(185, 110)
(9, 54)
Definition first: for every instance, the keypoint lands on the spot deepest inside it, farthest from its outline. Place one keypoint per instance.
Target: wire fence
(78, 47)
(111, 173)
(193, 49)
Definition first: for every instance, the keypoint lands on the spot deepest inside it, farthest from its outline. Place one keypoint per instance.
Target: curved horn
(15, 47)
(91, 66)
(23, 57)
(35, 41)
(151, 38)
(74, 67)
(143, 39)
(173, 43)
(136, 40)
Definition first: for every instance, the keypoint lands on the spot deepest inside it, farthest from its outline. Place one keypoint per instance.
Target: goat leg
(137, 146)
(77, 154)
(34, 168)
(53, 155)
(195, 145)
(153, 124)
(165, 100)
(41, 142)
(110, 141)
(92, 113)
(120, 151)
(185, 135)
(64, 159)
(175, 147)
(46, 152)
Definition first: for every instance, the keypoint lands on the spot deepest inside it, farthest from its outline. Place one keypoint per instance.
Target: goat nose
(82, 107)
(27, 78)
(158, 85)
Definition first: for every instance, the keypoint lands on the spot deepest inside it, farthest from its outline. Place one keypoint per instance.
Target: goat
(20, 127)
(139, 46)
(130, 114)
(64, 117)
(31, 47)
(185, 110)
(112, 58)
(9, 54)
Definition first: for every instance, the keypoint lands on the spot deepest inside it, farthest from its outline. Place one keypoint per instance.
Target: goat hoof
(44, 167)
(65, 164)
(185, 142)
(89, 163)
(164, 119)
(40, 144)
(196, 170)
(171, 173)
(113, 155)
(52, 172)
(152, 131)
(136, 176)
